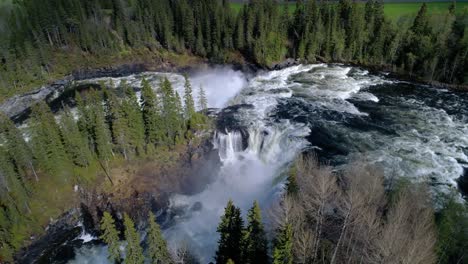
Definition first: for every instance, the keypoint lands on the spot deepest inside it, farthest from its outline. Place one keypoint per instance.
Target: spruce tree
(99, 129)
(202, 101)
(151, 109)
(110, 236)
(13, 194)
(181, 124)
(231, 231)
(133, 251)
(282, 252)
(74, 141)
(47, 144)
(188, 99)
(255, 244)
(172, 111)
(135, 129)
(16, 146)
(117, 123)
(84, 119)
(157, 247)
(421, 22)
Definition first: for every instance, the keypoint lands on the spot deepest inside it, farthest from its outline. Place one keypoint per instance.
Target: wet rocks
(57, 243)
(284, 64)
(17, 107)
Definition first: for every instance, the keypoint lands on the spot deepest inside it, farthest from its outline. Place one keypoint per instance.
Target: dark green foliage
(99, 130)
(75, 143)
(452, 225)
(283, 250)
(188, 100)
(346, 31)
(151, 107)
(202, 100)
(172, 113)
(231, 231)
(133, 118)
(110, 236)
(255, 244)
(157, 246)
(133, 250)
(47, 144)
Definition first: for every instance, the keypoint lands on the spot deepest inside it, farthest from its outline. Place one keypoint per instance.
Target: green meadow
(397, 10)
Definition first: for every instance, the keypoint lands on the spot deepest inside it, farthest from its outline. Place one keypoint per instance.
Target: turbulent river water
(342, 113)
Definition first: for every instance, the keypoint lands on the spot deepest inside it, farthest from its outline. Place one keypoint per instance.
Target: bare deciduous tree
(349, 219)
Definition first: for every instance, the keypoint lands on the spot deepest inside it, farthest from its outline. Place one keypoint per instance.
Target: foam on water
(85, 236)
(220, 83)
(91, 255)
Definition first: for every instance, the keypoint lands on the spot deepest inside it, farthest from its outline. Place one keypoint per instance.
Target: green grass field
(397, 10)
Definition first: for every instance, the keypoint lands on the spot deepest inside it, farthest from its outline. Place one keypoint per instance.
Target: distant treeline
(431, 48)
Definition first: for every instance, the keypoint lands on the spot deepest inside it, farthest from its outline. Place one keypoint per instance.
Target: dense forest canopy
(46, 39)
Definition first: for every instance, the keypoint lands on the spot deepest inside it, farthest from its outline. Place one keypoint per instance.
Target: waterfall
(229, 144)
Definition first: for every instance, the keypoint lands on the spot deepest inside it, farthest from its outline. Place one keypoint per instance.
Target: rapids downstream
(339, 112)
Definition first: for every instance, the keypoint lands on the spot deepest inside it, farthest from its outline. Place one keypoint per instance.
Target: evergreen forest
(45, 40)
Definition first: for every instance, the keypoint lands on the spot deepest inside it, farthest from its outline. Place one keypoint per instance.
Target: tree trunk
(343, 230)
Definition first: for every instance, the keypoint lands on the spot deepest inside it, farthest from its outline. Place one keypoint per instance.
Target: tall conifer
(255, 244)
(231, 231)
(133, 251)
(157, 247)
(110, 236)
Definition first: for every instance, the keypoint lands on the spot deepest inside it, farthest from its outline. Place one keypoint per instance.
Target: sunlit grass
(398, 10)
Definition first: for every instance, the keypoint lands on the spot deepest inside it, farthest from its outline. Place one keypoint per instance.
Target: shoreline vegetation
(40, 46)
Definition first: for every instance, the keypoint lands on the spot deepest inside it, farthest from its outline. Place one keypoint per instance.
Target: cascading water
(228, 145)
(246, 175)
(409, 130)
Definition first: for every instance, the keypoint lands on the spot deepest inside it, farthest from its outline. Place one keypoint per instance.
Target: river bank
(16, 107)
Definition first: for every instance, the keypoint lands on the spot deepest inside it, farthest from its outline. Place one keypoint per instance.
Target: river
(342, 113)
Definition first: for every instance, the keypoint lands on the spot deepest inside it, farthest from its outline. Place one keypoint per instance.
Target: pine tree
(255, 248)
(157, 247)
(231, 231)
(110, 236)
(282, 253)
(133, 251)
(202, 101)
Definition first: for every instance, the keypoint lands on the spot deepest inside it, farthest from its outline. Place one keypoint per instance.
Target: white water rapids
(342, 112)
